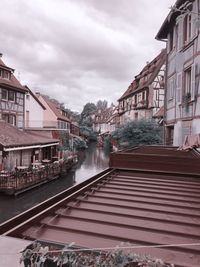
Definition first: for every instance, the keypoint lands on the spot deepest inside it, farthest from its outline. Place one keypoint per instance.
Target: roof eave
(13, 87)
(169, 21)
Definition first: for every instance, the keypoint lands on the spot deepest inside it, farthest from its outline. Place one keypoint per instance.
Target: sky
(80, 51)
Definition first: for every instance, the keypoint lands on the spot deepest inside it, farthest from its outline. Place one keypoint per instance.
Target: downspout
(165, 93)
(165, 97)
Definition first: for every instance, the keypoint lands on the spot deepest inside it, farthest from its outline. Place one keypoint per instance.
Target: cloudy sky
(80, 51)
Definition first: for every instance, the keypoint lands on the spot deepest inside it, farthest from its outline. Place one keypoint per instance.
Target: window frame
(5, 94)
(10, 92)
(187, 28)
(9, 118)
(187, 81)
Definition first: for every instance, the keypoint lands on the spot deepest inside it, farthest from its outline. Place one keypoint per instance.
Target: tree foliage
(102, 104)
(79, 143)
(88, 109)
(138, 133)
(37, 255)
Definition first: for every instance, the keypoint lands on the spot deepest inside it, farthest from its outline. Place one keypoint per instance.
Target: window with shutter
(180, 34)
(187, 28)
(170, 88)
(188, 81)
(193, 82)
(178, 87)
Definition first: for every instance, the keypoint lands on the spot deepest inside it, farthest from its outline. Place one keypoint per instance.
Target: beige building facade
(182, 100)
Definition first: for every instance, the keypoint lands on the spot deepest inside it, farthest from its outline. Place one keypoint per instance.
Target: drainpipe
(165, 98)
(165, 93)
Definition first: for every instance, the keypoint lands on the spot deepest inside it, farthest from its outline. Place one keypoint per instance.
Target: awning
(29, 147)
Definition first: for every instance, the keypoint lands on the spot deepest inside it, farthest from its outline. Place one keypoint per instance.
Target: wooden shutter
(180, 34)
(193, 82)
(178, 87)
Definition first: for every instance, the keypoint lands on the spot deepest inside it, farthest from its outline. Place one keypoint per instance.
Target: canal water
(91, 162)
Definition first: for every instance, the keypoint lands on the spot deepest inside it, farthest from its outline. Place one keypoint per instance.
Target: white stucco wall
(36, 113)
(196, 126)
(177, 134)
(50, 119)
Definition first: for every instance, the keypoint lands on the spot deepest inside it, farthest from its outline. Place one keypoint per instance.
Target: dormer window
(5, 74)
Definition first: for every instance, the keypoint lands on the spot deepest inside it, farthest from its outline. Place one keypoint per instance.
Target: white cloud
(80, 51)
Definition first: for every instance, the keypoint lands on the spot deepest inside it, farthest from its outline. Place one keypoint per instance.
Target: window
(189, 84)
(188, 81)
(27, 118)
(144, 95)
(198, 6)
(171, 89)
(171, 40)
(4, 94)
(8, 95)
(187, 27)
(11, 95)
(169, 135)
(9, 118)
(6, 75)
(27, 97)
(135, 99)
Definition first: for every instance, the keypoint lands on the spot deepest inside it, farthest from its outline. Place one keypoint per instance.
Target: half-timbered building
(105, 120)
(145, 95)
(181, 31)
(12, 95)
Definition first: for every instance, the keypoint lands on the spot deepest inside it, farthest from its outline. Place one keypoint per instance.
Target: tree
(102, 104)
(88, 109)
(138, 133)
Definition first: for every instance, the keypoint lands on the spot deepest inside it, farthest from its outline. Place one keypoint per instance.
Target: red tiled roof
(154, 207)
(11, 136)
(13, 83)
(150, 69)
(132, 87)
(56, 109)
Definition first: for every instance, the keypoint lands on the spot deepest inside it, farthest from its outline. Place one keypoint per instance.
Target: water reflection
(91, 162)
(95, 160)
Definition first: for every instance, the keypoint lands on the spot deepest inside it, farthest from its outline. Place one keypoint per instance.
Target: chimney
(1, 54)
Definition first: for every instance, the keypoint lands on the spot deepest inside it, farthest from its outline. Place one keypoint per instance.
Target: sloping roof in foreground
(156, 209)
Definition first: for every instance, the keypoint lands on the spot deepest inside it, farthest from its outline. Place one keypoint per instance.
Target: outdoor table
(22, 168)
(4, 174)
(36, 163)
(46, 161)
